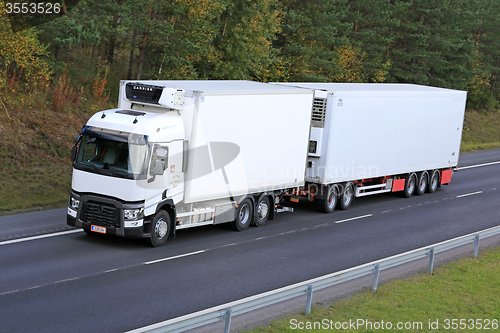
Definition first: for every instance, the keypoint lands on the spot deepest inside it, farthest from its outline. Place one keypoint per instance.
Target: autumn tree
(22, 57)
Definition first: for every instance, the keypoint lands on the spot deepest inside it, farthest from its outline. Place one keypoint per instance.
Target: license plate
(95, 228)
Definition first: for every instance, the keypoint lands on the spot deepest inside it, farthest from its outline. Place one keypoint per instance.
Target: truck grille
(101, 215)
(319, 112)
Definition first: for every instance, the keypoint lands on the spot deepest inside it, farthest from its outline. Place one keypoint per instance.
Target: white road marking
(354, 218)
(174, 257)
(478, 165)
(9, 292)
(66, 280)
(40, 237)
(466, 195)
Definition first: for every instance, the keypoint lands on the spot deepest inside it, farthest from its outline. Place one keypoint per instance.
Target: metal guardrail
(226, 311)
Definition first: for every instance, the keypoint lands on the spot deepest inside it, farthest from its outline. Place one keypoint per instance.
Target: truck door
(165, 177)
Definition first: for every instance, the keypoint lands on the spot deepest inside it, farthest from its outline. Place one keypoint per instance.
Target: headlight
(133, 214)
(74, 203)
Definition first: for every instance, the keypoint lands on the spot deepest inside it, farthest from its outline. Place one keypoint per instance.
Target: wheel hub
(263, 210)
(244, 213)
(161, 228)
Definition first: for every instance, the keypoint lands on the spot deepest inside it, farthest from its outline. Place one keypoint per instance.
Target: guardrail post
(431, 260)
(228, 321)
(476, 245)
(375, 278)
(309, 299)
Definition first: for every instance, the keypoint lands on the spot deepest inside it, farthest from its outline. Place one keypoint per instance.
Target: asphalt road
(57, 279)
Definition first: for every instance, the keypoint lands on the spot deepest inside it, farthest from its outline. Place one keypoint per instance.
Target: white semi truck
(180, 154)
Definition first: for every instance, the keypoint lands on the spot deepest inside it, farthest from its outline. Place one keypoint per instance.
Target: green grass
(467, 289)
(35, 144)
(481, 131)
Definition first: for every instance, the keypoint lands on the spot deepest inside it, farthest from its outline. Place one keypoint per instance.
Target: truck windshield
(112, 153)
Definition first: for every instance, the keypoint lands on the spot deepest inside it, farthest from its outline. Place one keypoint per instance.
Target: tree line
(446, 43)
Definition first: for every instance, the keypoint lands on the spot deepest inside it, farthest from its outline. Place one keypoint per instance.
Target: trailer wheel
(423, 180)
(160, 229)
(328, 205)
(347, 197)
(262, 211)
(410, 185)
(433, 182)
(243, 215)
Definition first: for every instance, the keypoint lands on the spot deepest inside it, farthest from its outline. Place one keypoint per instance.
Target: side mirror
(74, 150)
(159, 167)
(159, 163)
(73, 153)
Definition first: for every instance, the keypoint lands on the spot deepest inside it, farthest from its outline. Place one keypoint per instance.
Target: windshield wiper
(122, 174)
(105, 170)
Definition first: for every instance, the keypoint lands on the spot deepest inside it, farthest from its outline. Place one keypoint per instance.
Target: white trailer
(180, 154)
(369, 138)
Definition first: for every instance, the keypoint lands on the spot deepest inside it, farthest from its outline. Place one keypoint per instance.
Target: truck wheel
(160, 229)
(433, 182)
(243, 215)
(423, 178)
(347, 196)
(410, 185)
(262, 211)
(328, 205)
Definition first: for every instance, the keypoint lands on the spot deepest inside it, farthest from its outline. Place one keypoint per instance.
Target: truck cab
(126, 164)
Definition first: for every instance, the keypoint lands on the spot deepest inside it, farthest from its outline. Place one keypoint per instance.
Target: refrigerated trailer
(181, 154)
(375, 138)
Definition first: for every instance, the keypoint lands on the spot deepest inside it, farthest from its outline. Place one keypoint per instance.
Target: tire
(433, 182)
(328, 205)
(346, 198)
(243, 215)
(160, 229)
(423, 181)
(410, 185)
(262, 211)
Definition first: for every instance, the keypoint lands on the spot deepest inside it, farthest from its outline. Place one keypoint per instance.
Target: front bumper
(108, 213)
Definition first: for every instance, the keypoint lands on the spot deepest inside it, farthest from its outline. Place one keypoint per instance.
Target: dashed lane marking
(354, 218)
(175, 257)
(466, 195)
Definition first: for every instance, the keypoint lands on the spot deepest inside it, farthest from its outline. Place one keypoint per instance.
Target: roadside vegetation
(481, 131)
(56, 71)
(458, 297)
